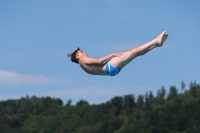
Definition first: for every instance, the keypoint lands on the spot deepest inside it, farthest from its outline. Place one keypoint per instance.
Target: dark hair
(73, 56)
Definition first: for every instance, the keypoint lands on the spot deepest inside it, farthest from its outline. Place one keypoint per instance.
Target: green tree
(182, 86)
(173, 92)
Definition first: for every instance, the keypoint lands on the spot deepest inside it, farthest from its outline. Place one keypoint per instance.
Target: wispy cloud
(94, 91)
(13, 78)
(96, 94)
(14, 96)
(93, 94)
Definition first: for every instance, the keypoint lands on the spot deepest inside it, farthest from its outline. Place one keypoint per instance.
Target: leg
(138, 51)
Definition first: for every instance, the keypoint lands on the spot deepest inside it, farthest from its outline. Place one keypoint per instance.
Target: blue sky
(35, 37)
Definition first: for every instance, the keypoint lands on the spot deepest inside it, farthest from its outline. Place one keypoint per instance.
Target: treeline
(171, 112)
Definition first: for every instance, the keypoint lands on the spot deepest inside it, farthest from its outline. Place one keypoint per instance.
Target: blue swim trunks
(110, 70)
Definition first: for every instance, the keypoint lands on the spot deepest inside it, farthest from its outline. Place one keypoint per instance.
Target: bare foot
(161, 38)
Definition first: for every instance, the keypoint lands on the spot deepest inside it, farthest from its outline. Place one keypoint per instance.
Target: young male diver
(113, 63)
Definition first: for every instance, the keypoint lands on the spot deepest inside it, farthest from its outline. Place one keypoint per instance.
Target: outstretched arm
(100, 60)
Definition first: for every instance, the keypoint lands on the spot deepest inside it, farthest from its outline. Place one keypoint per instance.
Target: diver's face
(82, 54)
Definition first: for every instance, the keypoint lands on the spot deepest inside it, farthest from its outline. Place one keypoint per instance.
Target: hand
(118, 54)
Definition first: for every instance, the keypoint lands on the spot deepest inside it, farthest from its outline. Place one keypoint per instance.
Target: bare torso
(94, 69)
(100, 69)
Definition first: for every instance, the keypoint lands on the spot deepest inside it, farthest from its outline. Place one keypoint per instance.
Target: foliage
(171, 112)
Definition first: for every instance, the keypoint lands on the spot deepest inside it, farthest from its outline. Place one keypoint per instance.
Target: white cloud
(96, 94)
(6, 97)
(92, 94)
(12, 78)
(94, 91)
